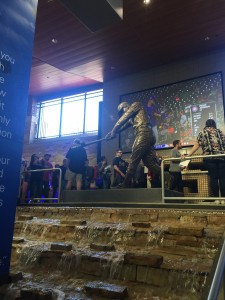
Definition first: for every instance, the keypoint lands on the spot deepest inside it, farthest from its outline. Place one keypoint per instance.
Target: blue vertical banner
(17, 27)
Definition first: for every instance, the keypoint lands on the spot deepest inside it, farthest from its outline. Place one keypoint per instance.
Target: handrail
(186, 158)
(41, 170)
(214, 280)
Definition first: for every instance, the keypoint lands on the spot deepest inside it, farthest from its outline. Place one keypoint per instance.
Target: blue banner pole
(17, 27)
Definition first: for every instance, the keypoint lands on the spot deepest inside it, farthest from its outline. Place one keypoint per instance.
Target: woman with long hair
(212, 142)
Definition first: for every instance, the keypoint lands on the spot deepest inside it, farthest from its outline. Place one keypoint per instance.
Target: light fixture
(54, 41)
(146, 2)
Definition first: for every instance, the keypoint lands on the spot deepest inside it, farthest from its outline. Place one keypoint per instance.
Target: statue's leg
(138, 151)
(150, 161)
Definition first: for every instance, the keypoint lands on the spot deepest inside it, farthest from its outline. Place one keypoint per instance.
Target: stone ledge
(101, 247)
(25, 218)
(61, 246)
(154, 261)
(106, 290)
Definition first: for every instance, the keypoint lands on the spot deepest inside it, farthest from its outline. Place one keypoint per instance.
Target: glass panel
(49, 119)
(93, 94)
(91, 116)
(92, 110)
(72, 116)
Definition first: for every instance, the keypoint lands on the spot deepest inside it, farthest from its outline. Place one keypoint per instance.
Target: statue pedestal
(139, 197)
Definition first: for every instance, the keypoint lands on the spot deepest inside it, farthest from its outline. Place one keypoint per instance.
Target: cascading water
(153, 260)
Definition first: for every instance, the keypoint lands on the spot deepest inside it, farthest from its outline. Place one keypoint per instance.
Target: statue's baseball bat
(93, 142)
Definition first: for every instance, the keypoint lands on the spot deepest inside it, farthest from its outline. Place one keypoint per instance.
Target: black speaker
(96, 14)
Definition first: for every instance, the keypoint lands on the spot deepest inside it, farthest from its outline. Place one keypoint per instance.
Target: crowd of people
(41, 180)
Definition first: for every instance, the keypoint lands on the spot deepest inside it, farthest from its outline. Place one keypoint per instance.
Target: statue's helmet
(122, 106)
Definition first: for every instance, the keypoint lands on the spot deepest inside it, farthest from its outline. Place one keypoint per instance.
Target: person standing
(103, 180)
(143, 147)
(47, 175)
(36, 178)
(24, 179)
(77, 158)
(63, 168)
(175, 169)
(88, 177)
(55, 182)
(212, 141)
(119, 167)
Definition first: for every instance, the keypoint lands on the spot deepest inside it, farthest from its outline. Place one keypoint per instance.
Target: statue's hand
(110, 135)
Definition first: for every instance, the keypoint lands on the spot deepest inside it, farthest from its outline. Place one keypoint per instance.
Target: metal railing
(42, 170)
(216, 276)
(186, 158)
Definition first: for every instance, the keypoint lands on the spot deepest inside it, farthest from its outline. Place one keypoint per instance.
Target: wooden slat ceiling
(148, 36)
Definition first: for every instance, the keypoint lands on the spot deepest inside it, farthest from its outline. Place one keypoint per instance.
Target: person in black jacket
(35, 177)
(119, 167)
(77, 158)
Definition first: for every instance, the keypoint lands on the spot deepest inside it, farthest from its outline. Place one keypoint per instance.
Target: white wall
(170, 73)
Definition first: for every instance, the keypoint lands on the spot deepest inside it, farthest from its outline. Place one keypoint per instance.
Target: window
(92, 105)
(73, 115)
(76, 114)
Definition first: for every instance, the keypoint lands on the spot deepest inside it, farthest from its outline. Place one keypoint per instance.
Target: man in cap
(143, 147)
(76, 157)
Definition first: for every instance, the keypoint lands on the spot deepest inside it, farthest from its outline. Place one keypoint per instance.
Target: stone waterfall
(109, 253)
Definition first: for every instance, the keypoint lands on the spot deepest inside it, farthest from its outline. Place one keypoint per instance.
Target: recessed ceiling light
(146, 1)
(55, 41)
(207, 38)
